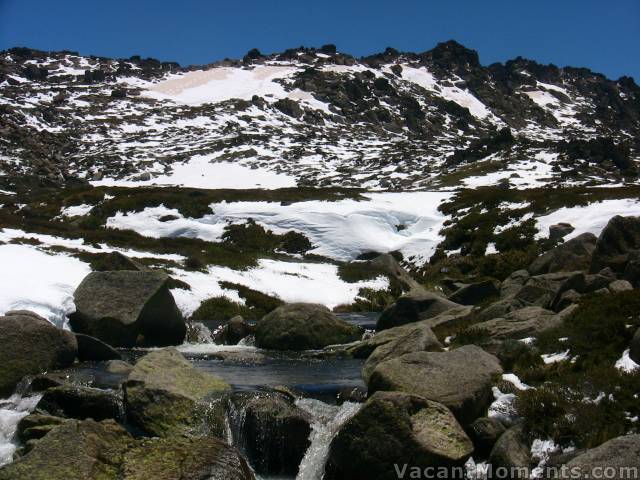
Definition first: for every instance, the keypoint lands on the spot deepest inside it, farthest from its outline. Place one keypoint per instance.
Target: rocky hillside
(394, 120)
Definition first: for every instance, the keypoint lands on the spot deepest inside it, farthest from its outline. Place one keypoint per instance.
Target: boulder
(560, 230)
(634, 351)
(275, 433)
(128, 308)
(113, 261)
(513, 283)
(90, 450)
(181, 458)
(163, 393)
(91, 349)
(484, 433)
(30, 345)
(542, 290)
(36, 425)
(392, 430)
(565, 299)
(619, 239)
(476, 292)
(388, 264)
(615, 458)
(75, 450)
(233, 331)
(395, 342)
(412, 307)
(526, 322)
(500, 309)
(81, 403)
(461, 379)
(511, 451)
(618, 286)
(632, 269)
(303, 326)
(572, 255)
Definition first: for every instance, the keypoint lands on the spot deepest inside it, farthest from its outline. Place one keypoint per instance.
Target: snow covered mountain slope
(281, 174)
(315, 117)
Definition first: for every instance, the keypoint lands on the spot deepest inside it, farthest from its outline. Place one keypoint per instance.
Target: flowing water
(12, 410)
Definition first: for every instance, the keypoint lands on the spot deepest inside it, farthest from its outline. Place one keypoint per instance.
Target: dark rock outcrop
(128, 308)
(617, 242)
(476, 292)
(81, 403)
(575, 254)
(461, 379)
(412, 307)
(29, 345)
(398, 429)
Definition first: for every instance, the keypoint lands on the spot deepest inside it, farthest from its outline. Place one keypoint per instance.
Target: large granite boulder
(303, 326)
(475, 293)
(273, 432)
(572, 255)
(617, 458)
(90, 450)
(164, 394)
(461, 378)
(619, 239)
(233, 331)
(511, 450)
(29, 345)
(394, 430)
(183, 458)
(388, 264)
(414, 306)
(128, 308)
(526, 322)
(397, 341)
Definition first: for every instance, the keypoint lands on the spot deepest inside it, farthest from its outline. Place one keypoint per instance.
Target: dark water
(321, 378)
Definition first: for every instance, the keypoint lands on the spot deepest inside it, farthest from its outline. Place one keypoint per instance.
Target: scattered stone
(92, 349)
(618, 286)
(617, 455)
(461, 379)
(163, 392)
(81, 403)
(560, 230)
(233, 331)
(572, 255)
(30, 345)
(396, 429)
(128, 308)
(511, 451)
(413, 307)
(513, 283)
(476, 292)
(395, 342)
(484, 433)
(616, 243)
(303, 326)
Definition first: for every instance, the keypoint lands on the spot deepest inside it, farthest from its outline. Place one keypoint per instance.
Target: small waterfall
(198, 332)
(12, 410)
(327, 420)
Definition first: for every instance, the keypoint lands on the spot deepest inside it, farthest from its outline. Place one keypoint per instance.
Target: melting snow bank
(409, 222)
(34, 280)
(12, 410)
(289, 281)
(327, 420)
(588, 218)
(201, 172)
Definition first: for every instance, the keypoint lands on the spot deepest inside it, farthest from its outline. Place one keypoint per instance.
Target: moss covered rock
(164, 394)
(392, 429)
(303, 326)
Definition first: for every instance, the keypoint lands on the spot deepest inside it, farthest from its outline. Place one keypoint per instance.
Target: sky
(601, 35)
